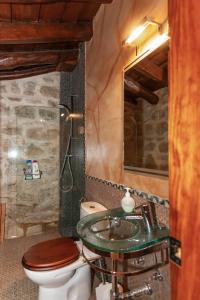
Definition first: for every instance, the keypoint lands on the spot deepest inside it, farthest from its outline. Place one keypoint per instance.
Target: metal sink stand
(162, 247)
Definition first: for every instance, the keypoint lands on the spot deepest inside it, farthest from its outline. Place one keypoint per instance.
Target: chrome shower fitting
(158, 276)
(66, 160)
(146, 289)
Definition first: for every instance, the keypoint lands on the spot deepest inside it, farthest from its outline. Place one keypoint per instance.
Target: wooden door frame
(184, 145)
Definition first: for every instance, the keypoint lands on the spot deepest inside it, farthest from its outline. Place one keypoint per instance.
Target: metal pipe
(115, 290)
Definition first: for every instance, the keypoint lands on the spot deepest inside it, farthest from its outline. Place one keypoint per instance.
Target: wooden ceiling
(147, 76)
(40, 36)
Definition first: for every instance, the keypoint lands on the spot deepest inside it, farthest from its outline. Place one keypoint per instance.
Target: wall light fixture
(160, 38)
(156, 42)
(140, 29)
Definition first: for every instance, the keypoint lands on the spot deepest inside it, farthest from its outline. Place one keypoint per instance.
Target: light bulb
(135, 34)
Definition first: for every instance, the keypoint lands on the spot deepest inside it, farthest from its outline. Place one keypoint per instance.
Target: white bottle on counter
(35, 169)
(127, 202)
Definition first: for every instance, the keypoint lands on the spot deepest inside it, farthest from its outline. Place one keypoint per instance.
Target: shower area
(43, 154)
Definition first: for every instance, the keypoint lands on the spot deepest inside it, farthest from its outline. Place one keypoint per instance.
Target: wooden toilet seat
(50, 255)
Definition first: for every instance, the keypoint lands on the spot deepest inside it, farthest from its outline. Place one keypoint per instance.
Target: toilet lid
(51, 254)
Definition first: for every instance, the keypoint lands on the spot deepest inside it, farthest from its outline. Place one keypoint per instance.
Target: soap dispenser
(127, 202)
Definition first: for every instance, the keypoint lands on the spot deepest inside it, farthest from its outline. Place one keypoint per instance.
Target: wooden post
(2, 221)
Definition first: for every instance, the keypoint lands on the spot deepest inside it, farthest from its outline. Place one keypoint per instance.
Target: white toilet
(58, 267)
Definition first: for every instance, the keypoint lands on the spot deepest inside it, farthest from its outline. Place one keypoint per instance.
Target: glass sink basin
(109, 231)
(113, 228)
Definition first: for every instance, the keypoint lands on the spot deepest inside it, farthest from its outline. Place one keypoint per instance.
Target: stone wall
(30, 130)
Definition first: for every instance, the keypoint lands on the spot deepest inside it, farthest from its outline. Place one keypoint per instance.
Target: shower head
(67, 111)
(60, 105)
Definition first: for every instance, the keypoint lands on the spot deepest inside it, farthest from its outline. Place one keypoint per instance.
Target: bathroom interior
(99, 149)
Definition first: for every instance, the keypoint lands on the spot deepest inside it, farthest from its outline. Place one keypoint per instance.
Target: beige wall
(105, 60)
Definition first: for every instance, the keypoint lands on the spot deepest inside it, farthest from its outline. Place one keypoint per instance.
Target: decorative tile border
(143, 195)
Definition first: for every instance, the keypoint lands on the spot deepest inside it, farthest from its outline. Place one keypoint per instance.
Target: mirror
(146, 114)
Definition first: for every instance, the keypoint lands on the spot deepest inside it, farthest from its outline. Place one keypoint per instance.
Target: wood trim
(53, 1)
(17, 33)
(2, 221)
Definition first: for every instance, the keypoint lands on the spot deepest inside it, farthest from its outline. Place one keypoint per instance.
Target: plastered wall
(106, 58)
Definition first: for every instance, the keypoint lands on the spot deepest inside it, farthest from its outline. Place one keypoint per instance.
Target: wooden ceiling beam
(53, 1)
(12, 67)
(18, 33)
(31, 46)
(15, 74)
(66, 66)
(150, 70)
(21, 48)
(138, 90)
(12, 61)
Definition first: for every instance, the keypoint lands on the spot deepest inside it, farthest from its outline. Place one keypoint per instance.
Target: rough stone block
(150, 147)
(48, 79)
(150, 162)
(161, 128)
(48, 91)
(53, 133)
(47, 114)
(29, 88)
(25, 112)
(51, 225)
(15, 89)
(52, 103)
(16, 99)
(4, 110)
(2, 88)
(149, 129)
(24, 198)
(36, 133)
(155, 115)
(11, 130)
(163, 147)
(33, 151)
(35, 229)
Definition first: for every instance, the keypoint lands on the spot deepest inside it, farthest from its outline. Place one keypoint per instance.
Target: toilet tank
(90, 207)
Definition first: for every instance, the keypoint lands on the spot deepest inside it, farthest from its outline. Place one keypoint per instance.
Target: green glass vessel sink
(110, 231)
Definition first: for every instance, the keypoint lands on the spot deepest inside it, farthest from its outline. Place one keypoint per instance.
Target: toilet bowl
(59, 269)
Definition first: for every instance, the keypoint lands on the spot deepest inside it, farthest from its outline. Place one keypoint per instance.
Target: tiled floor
(14, 285)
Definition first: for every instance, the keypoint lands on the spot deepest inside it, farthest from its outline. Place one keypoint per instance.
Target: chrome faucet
(147, 217)
(147, 214)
